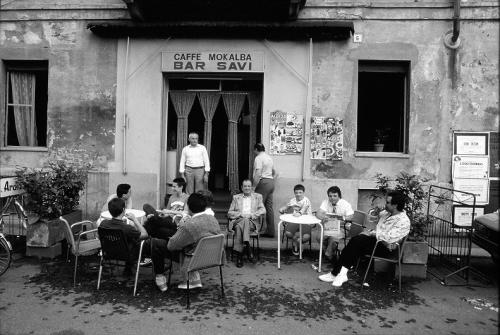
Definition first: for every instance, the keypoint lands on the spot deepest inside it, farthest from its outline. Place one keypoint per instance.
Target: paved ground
(259, 300)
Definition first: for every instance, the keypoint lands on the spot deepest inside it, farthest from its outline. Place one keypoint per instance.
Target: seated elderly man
(392, 227)
(244, 215)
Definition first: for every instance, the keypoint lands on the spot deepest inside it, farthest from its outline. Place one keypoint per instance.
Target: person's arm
(138, 226)
(275, 174)
(206, 162)
(257, 170)
(321, 212)
(181, 239)
(261, 210)
(306, 207)
(182, 163)
(233, 212)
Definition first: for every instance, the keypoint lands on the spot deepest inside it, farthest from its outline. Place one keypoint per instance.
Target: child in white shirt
(299, 205)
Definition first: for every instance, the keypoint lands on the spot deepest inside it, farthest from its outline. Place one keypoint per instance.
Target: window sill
(32, 149)
(375, 154)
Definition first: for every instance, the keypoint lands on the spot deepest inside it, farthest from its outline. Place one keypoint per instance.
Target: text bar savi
(208, 61)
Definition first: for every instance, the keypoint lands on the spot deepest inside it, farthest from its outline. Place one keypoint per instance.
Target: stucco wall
(88, 96)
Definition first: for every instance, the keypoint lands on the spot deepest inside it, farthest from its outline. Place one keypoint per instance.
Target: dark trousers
(160, 227)
(157, 249)
(358, 246)
(266, 188)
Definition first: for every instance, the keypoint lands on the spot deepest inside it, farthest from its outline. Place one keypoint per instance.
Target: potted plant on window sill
(380, 137)
(416, 250)
(52, 192)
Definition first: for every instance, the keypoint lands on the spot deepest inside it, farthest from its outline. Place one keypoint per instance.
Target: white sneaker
(161, 282)
(146, 262)
(339, 280)
(192, 284)
(327, 277)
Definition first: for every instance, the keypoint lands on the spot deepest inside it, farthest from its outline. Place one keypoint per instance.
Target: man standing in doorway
(194, 165)
(263, 178)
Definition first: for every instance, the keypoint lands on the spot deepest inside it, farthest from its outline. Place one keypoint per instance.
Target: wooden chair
(395, 258)
(208, 253)
(86, 246)
(116, 249)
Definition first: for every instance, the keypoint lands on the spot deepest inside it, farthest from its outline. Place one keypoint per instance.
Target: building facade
(106, 82)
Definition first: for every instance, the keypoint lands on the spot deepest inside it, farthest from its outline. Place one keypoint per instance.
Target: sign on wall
(465, 166)
(327, 139)
(286, 133)
(9, 187)
(470, 143)
(212, 61)
(479, 187)
(462, 215)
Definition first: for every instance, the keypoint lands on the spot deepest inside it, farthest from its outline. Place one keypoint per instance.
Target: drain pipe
(452, 41)
(124, 109)
(307, 123)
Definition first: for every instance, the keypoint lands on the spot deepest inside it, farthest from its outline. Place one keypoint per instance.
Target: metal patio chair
(89, 245)
(116, 249)
(395, 257)
(208, 253)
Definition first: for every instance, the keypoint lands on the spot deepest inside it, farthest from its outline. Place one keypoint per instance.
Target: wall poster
(472, 143)
(327, 139)
(468, 166)
(478, 187)
(287, 131)
(462, 215)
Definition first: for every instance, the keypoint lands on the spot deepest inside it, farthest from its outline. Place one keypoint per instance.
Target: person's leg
(199, 185)
(291, 229)
(266, 188)
(189, 180)
(331, 246)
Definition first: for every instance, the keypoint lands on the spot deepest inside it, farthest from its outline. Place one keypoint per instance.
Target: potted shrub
(51, 192)
(416, 249)
(379, 138)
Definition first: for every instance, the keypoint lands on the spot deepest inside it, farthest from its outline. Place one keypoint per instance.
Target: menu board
(287, 131)
(327, 140)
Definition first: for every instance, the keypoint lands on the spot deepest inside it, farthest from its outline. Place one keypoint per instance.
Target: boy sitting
(299, 205)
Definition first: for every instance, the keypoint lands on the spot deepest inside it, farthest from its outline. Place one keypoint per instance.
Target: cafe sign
(9, 187)
(212, 61)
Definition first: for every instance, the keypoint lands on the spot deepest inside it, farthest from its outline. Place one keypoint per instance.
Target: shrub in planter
(51, 192)
(415, 189)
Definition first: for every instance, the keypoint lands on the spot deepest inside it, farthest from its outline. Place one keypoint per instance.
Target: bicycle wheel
(5, 256)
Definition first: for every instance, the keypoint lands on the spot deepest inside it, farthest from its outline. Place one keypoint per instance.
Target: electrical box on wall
(357, 38)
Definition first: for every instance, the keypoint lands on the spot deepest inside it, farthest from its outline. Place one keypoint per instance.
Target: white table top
(303, 219)
(137, 212)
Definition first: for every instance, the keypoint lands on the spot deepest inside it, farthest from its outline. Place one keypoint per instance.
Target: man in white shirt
(263, 179)
(332, 212)
(392, 227)
(194, 165)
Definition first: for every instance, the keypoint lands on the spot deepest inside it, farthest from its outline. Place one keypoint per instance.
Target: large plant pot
(415, 252)
(43, 234)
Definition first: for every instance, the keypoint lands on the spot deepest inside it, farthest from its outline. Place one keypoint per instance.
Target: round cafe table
(300, 220)
(140, 215)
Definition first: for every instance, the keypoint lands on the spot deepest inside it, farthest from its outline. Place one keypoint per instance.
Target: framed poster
(467, 166)
(287, 131)
(478, 187)
(462, 215)
(327, 138)
(470, 143)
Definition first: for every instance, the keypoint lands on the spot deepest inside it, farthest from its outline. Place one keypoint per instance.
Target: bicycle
(5, 246)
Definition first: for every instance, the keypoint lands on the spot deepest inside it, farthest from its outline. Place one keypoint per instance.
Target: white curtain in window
(182, 102)
(23, 101)
(233, 102)
(254, 99)
(208, 102)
